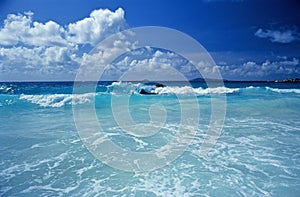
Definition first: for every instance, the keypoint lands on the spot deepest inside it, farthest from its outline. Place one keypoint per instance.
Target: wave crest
(297, 91)
(197, 91)
(6, 89)
(134, 88)
(58, 100)
(123, 88)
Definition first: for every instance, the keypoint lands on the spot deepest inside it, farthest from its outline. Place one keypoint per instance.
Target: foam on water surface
(257, 154)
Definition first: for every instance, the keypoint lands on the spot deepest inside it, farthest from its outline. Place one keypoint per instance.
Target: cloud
(150, 64)
(97, 26)
(31, 48)
(46, 63)
(266, 70)
(94, 63)
(283, 36)
(20, 29)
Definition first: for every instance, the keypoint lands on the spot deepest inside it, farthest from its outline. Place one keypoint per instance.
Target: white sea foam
(57, 100)
(123, 87)
(297, 91)
(2, 87)
(134, 88)
(197, 91)
(5, 89)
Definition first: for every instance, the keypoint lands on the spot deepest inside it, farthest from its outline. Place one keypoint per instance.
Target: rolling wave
(197, 91)
(134, 88)
(57, 100)
(4, 89)
(297, 91)
(50, 98)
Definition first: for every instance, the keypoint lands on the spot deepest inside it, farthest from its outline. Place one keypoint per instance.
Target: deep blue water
(256, 154)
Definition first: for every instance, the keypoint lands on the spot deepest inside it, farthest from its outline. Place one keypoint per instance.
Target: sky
(248, 39)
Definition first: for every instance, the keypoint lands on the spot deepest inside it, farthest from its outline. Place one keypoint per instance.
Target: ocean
(45, 133)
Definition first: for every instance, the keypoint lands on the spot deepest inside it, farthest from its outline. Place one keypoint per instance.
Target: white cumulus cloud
(150, 64)
(49, 49)
(21, 29)
(98, 25)
(280, 36)
(266, 70)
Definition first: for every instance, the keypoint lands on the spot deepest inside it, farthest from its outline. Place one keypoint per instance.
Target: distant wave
(123, 88)
(134, 88)
(54, 95)
(6, 89)
(297, 91)
(57, 100)
(197, 91)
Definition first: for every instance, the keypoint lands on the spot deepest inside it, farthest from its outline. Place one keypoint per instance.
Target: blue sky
(248, 39)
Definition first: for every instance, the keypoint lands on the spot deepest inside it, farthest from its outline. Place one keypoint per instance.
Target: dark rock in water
(145, 92)
(150, 87)
(159, 85)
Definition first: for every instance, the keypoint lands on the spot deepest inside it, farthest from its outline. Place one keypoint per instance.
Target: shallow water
(257, 153)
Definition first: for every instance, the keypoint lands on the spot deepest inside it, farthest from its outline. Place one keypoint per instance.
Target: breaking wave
(4, 89)
(57, 100)
(297, 91)
(134, 88)
(49, 95)
(197, 91)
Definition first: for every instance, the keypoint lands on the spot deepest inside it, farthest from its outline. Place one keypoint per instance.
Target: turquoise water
(257, 153)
